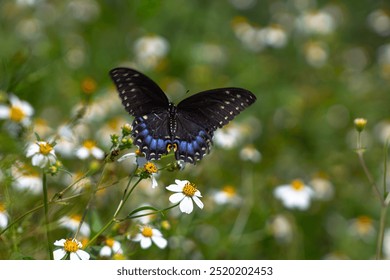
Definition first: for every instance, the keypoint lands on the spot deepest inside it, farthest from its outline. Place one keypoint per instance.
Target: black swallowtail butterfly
(187, 128)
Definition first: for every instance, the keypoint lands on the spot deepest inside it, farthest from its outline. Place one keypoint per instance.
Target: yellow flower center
(229, 190)
(147, 232)
(110, 242)
(363, 224)
(150, 168)
(2, 208)
(71, 245)
(76, 218)
(119, 257)
(189, 189)
(88, 85)
(45, 148)
(16, 114)
(89, 144)
(113, 123)
(297, 185)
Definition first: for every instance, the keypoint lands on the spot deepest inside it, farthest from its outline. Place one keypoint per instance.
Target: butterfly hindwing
(139, 94)
(151, 134)
(193, 140)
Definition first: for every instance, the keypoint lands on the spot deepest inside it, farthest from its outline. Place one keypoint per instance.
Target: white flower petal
(154, 182)
(97, 153)
(181, 183)
(105, 251)
(176, 197)
(138, 237)
(3, 220)
(160, 241)
(126, 156)
(186, 205)
(32, 150)
(116, 247)
(4, 112)
(82, 153)
(174, 188)
(198, 202)
(146, 242)
(197, 193)
(60, 242)
(156, 232)
(59, 254)
(80, 254)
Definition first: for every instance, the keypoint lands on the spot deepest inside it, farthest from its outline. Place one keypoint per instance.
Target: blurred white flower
(149, 235)
(72, 223)
(281, 228)
(273, 36)
(250, 153)
(17, 111)
(186, 193)
(362, 227)
(149, 50)
(228, 137)
(227, 195)
(88, 149)
(316, 54)
(42, 154)
(379, 21)
(30, 182)
(295, 195)
(72, 247)
(316, 22)
(111, 248)
(323, 188)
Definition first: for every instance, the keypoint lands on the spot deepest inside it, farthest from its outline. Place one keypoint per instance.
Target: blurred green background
(314, 66)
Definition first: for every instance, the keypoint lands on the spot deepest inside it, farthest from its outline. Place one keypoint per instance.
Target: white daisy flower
(72, 247)
(18, 111)
(149, 235)
(185, 193)
(89, 148)
(111, 248)
(295, 195)
(42, 154)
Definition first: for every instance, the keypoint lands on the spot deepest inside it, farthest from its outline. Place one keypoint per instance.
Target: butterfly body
(187, 129)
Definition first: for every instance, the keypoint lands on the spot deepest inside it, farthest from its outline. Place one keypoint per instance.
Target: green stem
(370, 178)
(381, 233)
(119, 208)
(46, 208)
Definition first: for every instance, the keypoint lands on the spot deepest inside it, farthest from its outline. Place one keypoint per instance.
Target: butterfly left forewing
(146, 101)
(139, 94)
